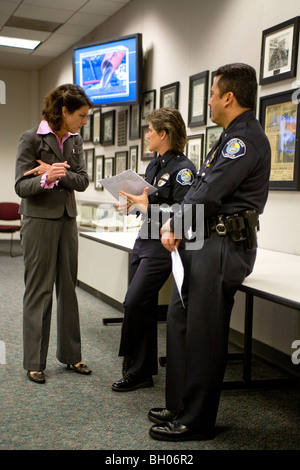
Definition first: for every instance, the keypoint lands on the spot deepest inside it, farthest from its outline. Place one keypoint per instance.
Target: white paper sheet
(178, 272)
(128, 181)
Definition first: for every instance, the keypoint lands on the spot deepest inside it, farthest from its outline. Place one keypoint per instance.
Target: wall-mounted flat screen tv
(110, 72)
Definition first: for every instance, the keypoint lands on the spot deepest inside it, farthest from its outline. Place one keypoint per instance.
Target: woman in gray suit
(49, 168)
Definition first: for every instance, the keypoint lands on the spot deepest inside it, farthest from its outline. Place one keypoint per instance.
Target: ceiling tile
(50, 50)
(87, 19)
(76, 29)
(40, 13)
(8, 7)
(68, 5)
(3, 19)
(14, 50)
(102, 7)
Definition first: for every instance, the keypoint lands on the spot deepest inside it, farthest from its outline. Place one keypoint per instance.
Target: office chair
(9, 211)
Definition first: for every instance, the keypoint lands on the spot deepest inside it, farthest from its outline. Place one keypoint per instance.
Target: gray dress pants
(50, 257)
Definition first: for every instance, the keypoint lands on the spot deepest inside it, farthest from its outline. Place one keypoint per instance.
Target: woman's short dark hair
(170, 120)
(71, 96)
(240, 79)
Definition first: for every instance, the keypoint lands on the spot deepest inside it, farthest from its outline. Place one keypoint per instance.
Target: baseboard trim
(105, 298)
(267, 353)
(161, 313)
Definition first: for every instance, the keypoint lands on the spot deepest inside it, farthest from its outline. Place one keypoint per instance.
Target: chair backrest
(9, 211)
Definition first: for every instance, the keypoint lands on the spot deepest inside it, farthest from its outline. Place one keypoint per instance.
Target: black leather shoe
(37, 377)
(129, 383)
(80, 368)
(160, 415)
(175, 431)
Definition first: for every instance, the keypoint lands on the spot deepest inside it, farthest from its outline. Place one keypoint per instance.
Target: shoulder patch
(235, 148)
(185, 176)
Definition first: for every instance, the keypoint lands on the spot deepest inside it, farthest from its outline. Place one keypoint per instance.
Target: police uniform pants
(197, 335)
(150, 267)
(50, 256)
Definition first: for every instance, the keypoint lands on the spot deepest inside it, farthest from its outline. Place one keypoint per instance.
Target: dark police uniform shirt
(173, 179)
(235, 174)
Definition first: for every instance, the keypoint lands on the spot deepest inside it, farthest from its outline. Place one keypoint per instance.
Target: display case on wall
(104, 216)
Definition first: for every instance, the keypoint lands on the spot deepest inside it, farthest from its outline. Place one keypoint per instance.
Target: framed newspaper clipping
(279, 117)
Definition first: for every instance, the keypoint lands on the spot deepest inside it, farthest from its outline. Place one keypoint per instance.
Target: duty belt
(241, 227)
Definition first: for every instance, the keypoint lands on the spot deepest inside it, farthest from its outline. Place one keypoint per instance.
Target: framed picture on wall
(198, 93)
(149, 102)
(120, 162)
(108, 167)
(280, 119)
(87, 130)
(194, 149)
(146, 154)
(169, 95)
(98, 172)
(135, 122)
(96, 126)
(279, 51)
(107, 128)
(212, 77)
(212, 136)
(89, 158)
(122, 127)
(133, 158)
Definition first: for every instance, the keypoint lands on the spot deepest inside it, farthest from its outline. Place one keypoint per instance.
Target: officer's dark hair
(240, 79)
(69, 95)
(170, 120)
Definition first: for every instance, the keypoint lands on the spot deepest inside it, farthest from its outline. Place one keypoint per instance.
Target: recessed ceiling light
(17, 42)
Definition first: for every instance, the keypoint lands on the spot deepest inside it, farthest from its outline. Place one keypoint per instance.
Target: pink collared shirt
(43, 129)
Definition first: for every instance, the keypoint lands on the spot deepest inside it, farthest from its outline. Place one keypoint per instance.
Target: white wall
(179, 39)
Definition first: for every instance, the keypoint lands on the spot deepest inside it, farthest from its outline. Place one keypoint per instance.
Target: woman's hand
(55, 171)
(38, 170)
(132, 202)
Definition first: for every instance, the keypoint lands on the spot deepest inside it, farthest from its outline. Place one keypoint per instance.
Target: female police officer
(172, 173)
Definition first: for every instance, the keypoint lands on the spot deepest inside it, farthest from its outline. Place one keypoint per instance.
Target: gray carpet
(73, 412)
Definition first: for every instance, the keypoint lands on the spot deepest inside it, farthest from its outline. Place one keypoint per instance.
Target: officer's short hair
(241, 80)
(169, 120)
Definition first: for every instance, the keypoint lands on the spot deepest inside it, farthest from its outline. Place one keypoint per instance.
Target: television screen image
(110, 72)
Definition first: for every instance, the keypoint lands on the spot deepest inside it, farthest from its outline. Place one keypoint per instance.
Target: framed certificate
(194, 149)
(98, 172)
(96, 126)
(198, 93)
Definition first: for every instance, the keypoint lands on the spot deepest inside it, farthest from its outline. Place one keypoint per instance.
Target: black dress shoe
(160, 415)
(130, 382)
(37, 377)
(80, 368)
(175, 431)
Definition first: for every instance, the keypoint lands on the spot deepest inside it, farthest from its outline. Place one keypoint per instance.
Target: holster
(241, 227)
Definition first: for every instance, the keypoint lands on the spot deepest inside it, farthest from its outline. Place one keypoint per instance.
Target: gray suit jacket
(49, 203)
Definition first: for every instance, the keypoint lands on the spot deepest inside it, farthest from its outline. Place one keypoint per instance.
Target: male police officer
(233, 186)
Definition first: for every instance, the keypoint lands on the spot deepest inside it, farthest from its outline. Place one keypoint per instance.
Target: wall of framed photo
(180, 60)
(181, 75)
